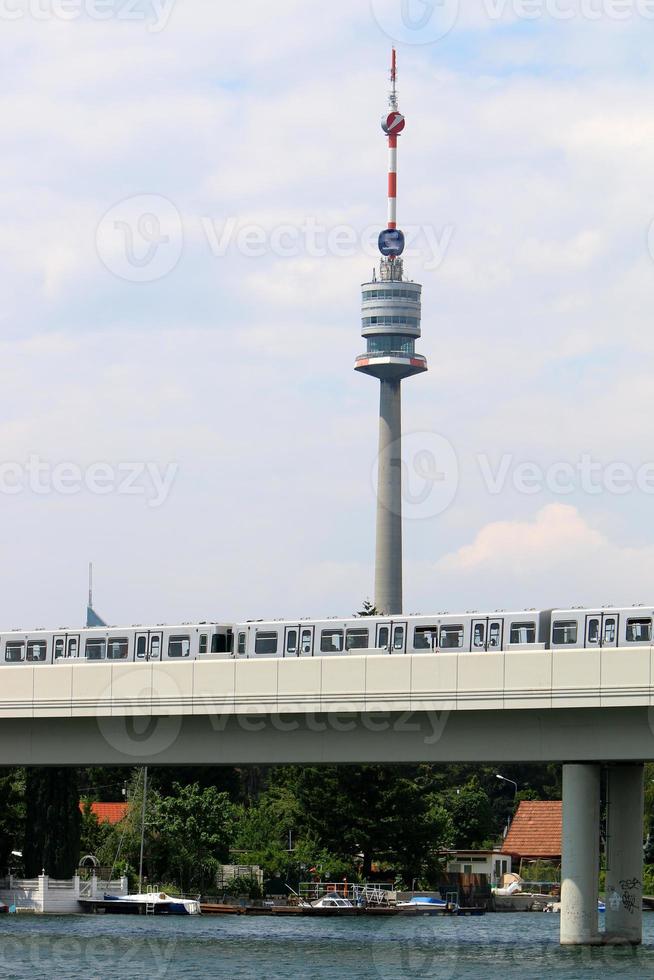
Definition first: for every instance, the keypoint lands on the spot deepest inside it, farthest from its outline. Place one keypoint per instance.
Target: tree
(380, 813)
(368, 609)
(93, 834)
(265, 827)
(53, 820)
(471, 813)
(195, 829)
(12, 814)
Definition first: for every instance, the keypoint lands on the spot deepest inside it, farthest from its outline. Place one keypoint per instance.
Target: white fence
(47, 895)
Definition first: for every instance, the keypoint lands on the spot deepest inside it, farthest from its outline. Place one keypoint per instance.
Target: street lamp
(512, 781)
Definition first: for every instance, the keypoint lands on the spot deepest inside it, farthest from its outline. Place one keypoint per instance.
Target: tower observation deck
(390, 324)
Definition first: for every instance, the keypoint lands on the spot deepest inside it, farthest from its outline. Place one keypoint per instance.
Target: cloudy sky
(189, 193)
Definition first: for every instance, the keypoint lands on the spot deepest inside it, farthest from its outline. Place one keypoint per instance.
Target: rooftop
(535, 831)
(108, 812)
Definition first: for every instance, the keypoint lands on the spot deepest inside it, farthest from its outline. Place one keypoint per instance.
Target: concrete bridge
(592, 710)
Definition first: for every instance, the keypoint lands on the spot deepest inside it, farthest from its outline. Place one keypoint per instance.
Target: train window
(204, 643)
(425, 637)
(265, 643)
(522, 633)
(479, 637)
(331, 641)
(639, 630)
(494, 634)
(291, 641)
(219, 643)
(384, 635)
(179, 646)
(15, 651)
(118, 649)
(609, 630)
(36, 651)
(241, 644)
(451, 637)
(141, 645)
(59, 648)
(155, 647)
(357, 640)
(564, 633)
(398, 638)
(306, 641)
(593, 631)
(72, 646)
(95, 649)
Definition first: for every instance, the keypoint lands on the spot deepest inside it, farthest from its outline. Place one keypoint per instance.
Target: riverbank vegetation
(292, 821)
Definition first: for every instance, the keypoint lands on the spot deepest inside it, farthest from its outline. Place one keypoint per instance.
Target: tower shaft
(388, 563)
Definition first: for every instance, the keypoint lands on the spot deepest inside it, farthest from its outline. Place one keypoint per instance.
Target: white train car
(132, 644)
(629, 626)
(471, 632)
(442, 633)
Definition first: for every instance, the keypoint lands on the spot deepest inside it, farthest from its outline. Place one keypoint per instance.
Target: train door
(292, 641)
(486, 635)
(66, 647)
(383, 639)
(148, 645)
(602, 630)
(399, 637)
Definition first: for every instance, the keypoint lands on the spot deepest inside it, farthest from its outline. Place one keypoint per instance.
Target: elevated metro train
(548, 629)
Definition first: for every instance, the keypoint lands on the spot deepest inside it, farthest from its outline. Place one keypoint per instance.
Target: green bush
(243, 886)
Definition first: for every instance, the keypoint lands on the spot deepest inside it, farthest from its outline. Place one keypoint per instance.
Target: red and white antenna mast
(391, 241)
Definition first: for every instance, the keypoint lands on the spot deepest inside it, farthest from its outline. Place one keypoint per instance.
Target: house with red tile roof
(111, 813)
(535, 832)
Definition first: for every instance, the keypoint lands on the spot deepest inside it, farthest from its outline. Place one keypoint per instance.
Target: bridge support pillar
(580, 866)
(624, 856)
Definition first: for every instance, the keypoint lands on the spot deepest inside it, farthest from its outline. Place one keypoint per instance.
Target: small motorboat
(332, 903)
(423, 905)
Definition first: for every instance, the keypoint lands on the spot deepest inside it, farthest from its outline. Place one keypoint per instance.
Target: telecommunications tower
(390, 323)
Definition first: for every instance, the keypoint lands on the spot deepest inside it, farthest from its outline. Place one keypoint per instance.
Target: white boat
(150, 903)
(424, 905)
(331, 904)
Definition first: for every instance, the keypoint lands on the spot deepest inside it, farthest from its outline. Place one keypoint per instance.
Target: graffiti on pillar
(631, 891)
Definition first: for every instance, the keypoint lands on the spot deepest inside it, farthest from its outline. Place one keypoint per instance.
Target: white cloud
(556, 558)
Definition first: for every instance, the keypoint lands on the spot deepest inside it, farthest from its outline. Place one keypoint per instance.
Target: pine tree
(53, 822)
